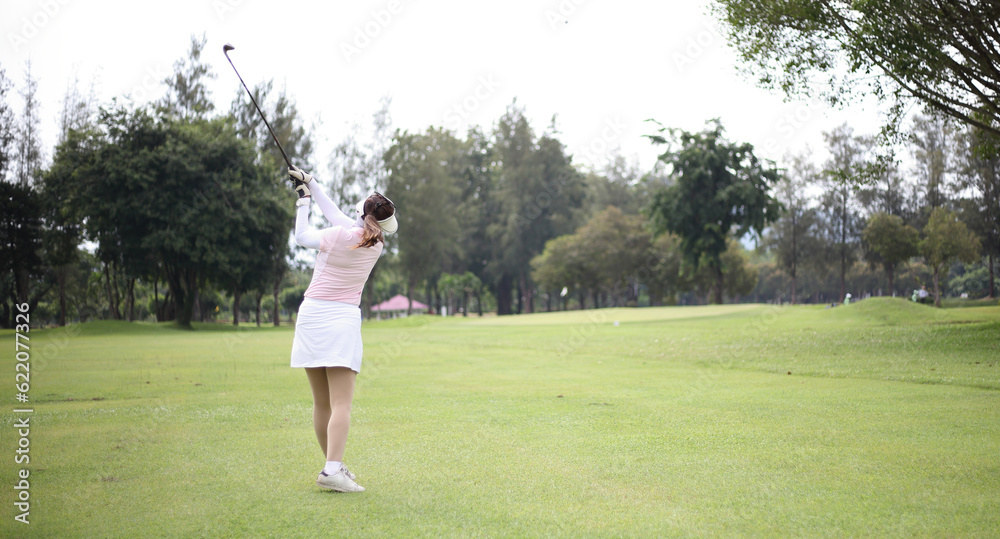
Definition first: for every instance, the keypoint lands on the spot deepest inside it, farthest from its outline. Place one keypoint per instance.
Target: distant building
(396, 307)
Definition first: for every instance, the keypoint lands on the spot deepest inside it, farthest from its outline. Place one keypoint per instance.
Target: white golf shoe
(341, 481)
(348, 473)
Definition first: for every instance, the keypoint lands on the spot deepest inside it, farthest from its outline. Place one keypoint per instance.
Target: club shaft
(262, 117)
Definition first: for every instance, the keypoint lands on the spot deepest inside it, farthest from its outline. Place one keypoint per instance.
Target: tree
(740, 277)
(720, 186)
(23, 211)
(78, 110)
(20, 246)
(943, 54)
(946, 239)
(187, 95)
(665, 262)
(890, 242)
(615, 246)
(459, 287)
(515, 142)
(538, 193)
(284, 118)
(423, 171)
(62, 231)
(283, 115)
(614, 186)
(565, 264)
(794, 234)
(841, 172)
(979, 171)
(609, 256)
(357, 166)
(471, 286)
(886, 194)
(931, 140)
(29, 139)
(187, 199)
(7, 126)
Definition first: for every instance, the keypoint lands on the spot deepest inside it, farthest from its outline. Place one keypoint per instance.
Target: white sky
(603, 67)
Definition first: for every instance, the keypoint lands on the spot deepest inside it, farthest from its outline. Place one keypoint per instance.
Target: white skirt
(327, 334)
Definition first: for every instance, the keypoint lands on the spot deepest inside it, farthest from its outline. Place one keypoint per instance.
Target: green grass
(679, 421)
(959, 302)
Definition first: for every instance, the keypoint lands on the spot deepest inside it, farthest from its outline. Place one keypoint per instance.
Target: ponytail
(372, 233)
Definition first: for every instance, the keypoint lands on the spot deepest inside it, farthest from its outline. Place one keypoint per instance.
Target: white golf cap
(388, 225)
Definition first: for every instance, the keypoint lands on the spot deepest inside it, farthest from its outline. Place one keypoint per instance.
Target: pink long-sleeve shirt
(341, 272)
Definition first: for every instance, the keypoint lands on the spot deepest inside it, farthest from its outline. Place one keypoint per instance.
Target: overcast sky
(603, 67)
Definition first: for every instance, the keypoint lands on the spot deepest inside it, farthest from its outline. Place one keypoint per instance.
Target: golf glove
(299, 179)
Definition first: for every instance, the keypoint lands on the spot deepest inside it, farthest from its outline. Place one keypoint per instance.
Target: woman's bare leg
(340, 382)
(321, 403)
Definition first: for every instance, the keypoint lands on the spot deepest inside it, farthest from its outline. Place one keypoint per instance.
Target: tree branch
(917, 89)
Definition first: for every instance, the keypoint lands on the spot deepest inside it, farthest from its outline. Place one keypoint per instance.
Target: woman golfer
(328, 330)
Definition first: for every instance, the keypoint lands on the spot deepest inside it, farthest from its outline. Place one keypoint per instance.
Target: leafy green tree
(889, 242)
(664, 263)
(931, 142)
(887, 194)
(471, 286)
(187, 96)
(793, 236)
(20, 246)
(839, 203)
(185, 199)
(25, 279)
(62, 231)
(614, 186)
(564, 264)
(423, 183)
(11, 204)
(291, 299)
(943, 54)
(7, 126)
(946, 239)
(459, 287)
(720, 186)
(616, 247)
(255, 238)
(979, 172)
(296, 139)
(740, 277)
(517, 178)
(972, 281)
(538, 193)
(283, 115)
(28, 141)
(479, 208)
(357, 163)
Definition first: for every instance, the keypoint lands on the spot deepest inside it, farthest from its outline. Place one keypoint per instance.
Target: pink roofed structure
(397, 306)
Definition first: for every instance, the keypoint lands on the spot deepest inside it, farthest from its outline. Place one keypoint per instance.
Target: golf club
(225, 50)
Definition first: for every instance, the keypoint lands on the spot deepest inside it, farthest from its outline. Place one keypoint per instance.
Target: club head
(226, 48)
